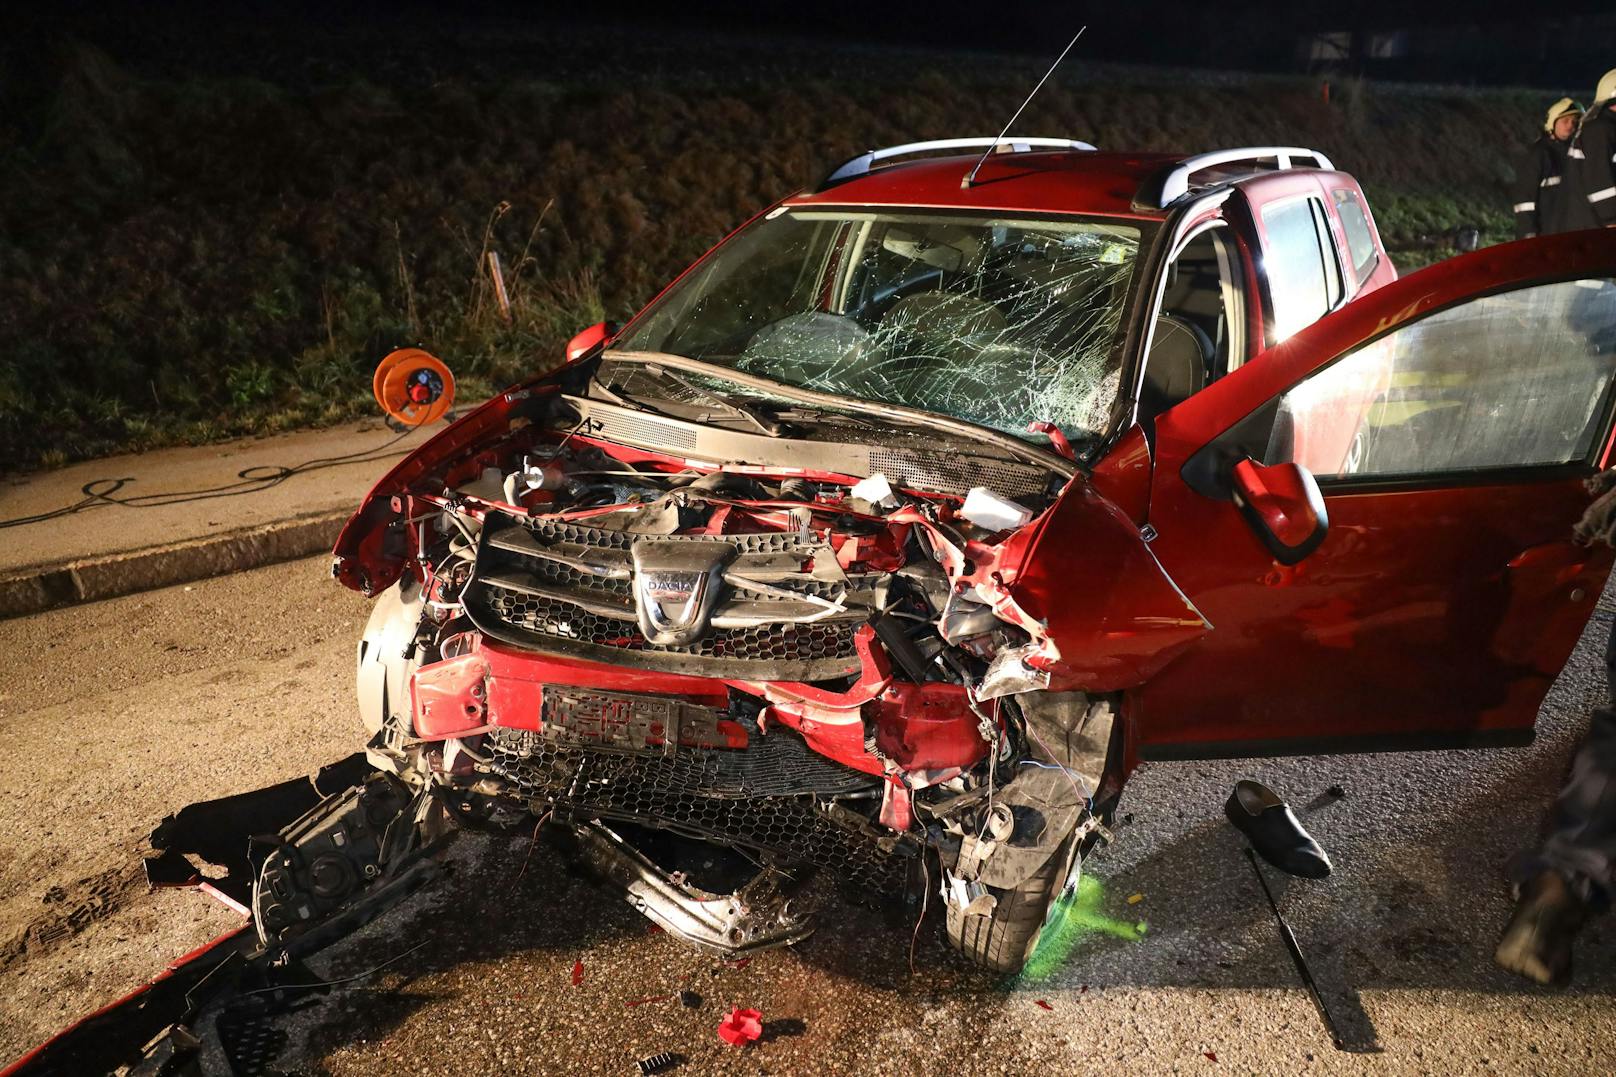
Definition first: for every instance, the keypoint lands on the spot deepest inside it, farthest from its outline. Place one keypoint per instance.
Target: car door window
(1360, 237)
(1299, 261)
(1516, 379)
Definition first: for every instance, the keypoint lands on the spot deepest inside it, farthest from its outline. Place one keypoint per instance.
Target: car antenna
(970, 177)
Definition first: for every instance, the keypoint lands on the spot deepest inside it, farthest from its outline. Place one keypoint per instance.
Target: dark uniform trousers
(1580, 833)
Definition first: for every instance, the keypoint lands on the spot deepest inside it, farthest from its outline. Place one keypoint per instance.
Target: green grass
(186, 259)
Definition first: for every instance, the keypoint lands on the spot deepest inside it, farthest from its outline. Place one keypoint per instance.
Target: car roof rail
(864, 162)
(1163, 190)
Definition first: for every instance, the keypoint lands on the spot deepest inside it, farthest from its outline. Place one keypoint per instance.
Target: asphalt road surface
(119, 712)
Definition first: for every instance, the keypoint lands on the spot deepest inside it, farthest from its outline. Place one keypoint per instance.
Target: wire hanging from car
(373, 970)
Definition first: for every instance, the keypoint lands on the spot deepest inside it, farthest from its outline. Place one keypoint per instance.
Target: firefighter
(1593, 154)
(1541, 194)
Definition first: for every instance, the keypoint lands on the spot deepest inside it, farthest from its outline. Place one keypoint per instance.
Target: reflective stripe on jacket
(1593, 158)
(1541, 192)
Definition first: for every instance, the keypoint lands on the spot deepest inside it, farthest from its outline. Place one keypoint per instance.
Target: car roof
(1061, 181)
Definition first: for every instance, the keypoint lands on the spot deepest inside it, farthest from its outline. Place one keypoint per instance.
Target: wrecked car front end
(725, 582)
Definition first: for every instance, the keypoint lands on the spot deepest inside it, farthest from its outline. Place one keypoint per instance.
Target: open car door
(1444, 427)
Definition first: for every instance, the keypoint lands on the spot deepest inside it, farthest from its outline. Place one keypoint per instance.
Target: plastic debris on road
(1044, 1003)
(1134, 899)
(577, 973)
(661, 1062)
(740, 1027)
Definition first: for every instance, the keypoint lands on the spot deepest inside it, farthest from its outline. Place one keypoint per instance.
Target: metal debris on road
(1296, 955)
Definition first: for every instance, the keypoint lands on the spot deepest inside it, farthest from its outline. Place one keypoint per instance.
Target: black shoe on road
(1537, 942)
(1273, 830)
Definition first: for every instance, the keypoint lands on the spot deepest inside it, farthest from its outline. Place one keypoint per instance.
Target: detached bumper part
(757, 916)
(342, 864)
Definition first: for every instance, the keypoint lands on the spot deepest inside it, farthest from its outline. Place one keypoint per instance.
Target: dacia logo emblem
(677, 582)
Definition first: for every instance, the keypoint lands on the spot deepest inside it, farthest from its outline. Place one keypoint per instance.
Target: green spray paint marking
(1080, 918)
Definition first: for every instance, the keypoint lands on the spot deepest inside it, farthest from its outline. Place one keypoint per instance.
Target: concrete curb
(44, 587)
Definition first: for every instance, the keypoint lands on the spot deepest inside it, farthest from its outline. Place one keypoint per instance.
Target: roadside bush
(191, 258)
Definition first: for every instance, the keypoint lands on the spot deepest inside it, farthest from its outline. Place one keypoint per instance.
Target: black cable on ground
(250, 480)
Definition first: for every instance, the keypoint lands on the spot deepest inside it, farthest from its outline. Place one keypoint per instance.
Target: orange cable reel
(413, 387)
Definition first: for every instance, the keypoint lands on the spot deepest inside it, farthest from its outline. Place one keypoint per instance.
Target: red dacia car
(902, 526)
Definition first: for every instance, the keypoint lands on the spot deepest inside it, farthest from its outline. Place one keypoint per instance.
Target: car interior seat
(1175, 368)
(812, 349)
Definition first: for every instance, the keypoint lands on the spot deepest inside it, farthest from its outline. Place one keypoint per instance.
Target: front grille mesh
(760, 643)
(771, 799)
(499, 603)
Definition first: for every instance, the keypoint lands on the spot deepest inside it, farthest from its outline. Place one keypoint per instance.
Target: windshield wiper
(756, 419)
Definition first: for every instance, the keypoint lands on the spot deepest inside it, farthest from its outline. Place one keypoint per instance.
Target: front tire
(1003, 939)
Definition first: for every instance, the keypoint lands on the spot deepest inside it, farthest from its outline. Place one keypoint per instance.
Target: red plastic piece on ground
(1213, 1055)
(1044, 1003)
(577, 973)
(740, 1027)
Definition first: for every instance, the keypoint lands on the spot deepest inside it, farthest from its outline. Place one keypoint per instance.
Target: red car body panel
(1441, 609)
(1114, 616)
(1214, 643)
(1100, 184)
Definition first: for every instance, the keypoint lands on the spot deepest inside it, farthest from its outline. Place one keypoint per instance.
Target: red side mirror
(590, 339)
(1283, 505)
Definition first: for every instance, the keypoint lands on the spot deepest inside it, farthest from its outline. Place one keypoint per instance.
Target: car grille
(533, 600)
(773, 799)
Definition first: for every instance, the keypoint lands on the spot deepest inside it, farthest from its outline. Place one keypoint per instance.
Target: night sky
(1491, 40)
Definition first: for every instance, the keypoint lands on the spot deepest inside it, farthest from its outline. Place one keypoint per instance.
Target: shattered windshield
(999, 321)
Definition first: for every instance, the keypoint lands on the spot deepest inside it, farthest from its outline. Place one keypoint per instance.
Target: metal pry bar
(1296, 955)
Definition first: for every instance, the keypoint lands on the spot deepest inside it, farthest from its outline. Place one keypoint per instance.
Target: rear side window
(1360, 238)
(1304, 279)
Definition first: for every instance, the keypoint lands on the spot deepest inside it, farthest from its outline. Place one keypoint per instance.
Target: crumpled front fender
(1113, 614)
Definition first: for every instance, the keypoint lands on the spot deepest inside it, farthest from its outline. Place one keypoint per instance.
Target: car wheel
(1004, 938)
